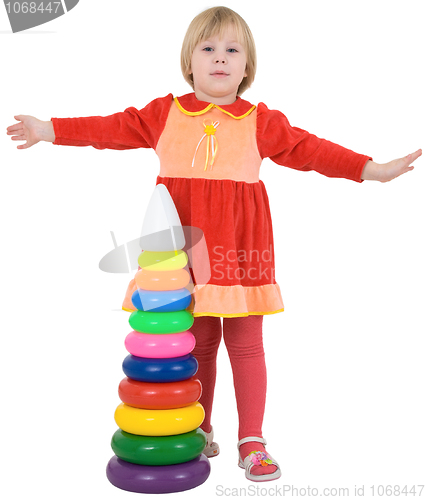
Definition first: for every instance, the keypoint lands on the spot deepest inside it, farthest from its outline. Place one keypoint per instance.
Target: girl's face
(218, 67)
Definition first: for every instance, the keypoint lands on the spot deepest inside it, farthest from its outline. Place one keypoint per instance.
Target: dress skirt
(233, 267)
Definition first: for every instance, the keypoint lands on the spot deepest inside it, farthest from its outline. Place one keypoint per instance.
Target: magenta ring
(149, 345)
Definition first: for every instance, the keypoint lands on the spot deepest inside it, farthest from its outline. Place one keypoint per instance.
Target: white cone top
(161, 230)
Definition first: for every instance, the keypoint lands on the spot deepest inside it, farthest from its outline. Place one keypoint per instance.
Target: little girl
(211, 144)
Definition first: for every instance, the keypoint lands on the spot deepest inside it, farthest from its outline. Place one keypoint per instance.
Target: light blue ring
(165, 301)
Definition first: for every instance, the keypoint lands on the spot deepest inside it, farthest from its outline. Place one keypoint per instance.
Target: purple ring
(158, 478)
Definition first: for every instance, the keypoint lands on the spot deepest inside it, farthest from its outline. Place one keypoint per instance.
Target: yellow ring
(163, 261)
(169, 422)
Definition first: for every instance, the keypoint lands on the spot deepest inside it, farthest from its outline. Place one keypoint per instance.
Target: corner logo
(26, 15)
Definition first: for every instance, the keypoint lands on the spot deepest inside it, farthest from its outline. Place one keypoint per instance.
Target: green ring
(161, 322)
(158, 450)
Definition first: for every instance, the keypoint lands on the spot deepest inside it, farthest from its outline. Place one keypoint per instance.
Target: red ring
(159, 396)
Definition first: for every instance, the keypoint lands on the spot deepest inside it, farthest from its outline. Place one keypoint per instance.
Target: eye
(232, 50)
(208, 49)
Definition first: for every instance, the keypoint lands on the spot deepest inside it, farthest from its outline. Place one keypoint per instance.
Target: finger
(406, 169)
(413, 156)
(15, 128)
(19, 138)
(23, 146)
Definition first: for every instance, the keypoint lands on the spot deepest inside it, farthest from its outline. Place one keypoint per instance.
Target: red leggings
(244, 343)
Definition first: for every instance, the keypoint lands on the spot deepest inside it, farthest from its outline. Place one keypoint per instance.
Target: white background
(346, 361)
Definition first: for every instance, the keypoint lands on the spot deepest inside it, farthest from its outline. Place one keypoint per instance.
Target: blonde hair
(212, 22)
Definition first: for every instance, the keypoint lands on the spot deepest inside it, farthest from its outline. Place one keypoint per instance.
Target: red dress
(210, 158)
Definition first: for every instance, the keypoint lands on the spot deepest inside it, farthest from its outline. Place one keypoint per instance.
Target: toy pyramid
(158, 446)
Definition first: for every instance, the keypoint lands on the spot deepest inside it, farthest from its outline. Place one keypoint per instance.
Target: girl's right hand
(31, 130)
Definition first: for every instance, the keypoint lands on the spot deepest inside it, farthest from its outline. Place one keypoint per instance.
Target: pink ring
(149, 345)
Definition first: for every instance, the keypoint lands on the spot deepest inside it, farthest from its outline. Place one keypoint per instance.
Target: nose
(220, 58)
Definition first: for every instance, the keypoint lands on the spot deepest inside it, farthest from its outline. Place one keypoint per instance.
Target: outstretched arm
(129, 129)
(297, 148)
(385, 172)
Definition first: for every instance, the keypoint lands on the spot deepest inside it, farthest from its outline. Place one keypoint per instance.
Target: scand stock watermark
(219, 263)
(243, 264)
(291, 491)
(24, 14)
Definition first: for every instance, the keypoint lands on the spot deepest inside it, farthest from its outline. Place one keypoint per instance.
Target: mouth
(219, 74)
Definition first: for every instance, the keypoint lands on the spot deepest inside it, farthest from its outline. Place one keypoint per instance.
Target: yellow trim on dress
(209, 107)
(196, 315)
(236, 117)
(193, 113)
(239, 315)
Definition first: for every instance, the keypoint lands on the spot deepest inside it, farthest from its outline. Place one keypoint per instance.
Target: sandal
(257, 458)
(211, 449)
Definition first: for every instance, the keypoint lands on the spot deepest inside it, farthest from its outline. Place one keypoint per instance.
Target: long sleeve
(129, 129)
(296, 148)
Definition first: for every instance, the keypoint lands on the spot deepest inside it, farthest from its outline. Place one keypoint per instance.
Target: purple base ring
(158, 478)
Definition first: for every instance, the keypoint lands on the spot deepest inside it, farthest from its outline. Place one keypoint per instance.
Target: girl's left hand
(385, 172)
